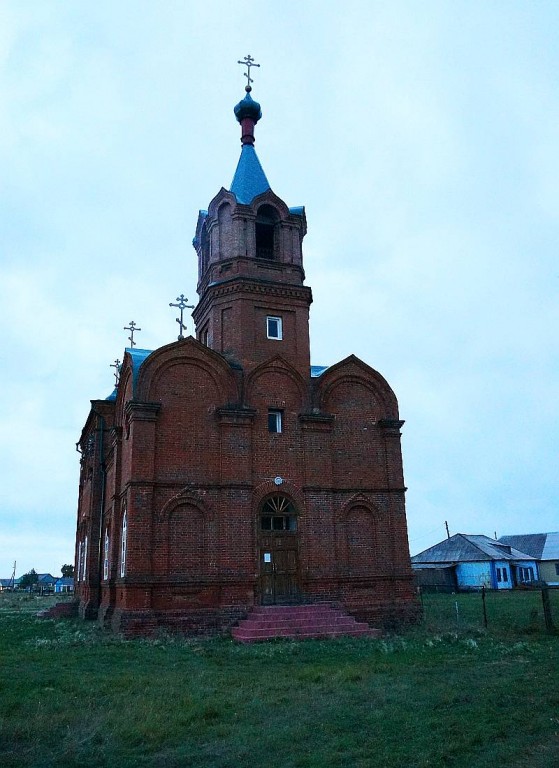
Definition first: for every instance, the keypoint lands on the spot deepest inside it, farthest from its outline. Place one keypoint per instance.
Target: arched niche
(225, 227)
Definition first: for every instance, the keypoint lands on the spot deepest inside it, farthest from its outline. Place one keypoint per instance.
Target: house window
(274, 328)
(106, 556)
(505, 575)
(123, 545)
(557, 569)
(499, 578)
(275, 421)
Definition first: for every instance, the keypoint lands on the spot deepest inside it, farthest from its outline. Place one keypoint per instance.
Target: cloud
(422, 142)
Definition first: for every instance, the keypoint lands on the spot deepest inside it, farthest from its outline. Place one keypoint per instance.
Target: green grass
(441, 695)
(508, 613)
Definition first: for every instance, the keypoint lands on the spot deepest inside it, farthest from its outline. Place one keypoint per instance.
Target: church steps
(298, 622)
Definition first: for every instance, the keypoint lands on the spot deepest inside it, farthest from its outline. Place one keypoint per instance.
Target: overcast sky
(421, 138)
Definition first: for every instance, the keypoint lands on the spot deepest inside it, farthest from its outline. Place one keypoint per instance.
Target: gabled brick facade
(224, 475)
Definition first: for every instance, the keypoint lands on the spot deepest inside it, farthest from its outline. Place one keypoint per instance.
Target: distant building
(543, 547)
(46, 582)
(64, 585)
(226, 471)
(465, 562)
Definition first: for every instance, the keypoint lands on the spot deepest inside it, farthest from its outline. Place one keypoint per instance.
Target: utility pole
(447, 531)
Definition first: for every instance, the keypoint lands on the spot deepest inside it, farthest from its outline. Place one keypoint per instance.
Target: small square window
(274, 328)
(275, 421)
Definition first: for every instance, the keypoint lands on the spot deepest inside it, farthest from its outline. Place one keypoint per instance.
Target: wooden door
(277, 552)
(279, 571)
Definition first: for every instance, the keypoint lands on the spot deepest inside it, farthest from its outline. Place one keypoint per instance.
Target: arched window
(80, 545)
(106, 555)
(123, 544)
(278, 514)
(266, 232)
(84, 556)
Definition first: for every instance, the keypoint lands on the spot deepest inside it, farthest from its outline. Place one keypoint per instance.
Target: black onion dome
(248, 108)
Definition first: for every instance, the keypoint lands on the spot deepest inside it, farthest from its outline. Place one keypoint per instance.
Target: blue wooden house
(64, 585)
(464, 562)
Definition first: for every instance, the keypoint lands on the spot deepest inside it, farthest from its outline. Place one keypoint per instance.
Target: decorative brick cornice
(238, 285)
(343, 491)
(391, 424)
(136, 411)
(234, 414)
(320, 422)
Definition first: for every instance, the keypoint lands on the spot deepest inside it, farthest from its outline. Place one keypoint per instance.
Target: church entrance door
(278, 552)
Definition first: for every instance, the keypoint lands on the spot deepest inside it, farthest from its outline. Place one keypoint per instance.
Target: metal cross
(132, 328)
(248, 63)
(116, 366)
(182, 305)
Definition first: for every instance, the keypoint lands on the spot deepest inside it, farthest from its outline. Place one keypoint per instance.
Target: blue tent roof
(317, 370)
(138, 356)
(249, 179)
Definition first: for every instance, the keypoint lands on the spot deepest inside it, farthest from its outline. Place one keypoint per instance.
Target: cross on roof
(132, 328)
(116, 366)
(248, 63)
(182, 305)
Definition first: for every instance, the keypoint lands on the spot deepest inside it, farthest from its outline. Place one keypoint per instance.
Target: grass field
(448, 693)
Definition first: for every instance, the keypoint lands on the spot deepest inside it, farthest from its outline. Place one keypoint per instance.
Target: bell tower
(253, 302)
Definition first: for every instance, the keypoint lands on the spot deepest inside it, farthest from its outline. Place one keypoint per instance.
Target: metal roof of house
(45, 578)
(542, 546)
(463, 548)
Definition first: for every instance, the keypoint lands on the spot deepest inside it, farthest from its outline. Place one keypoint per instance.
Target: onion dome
(248, 108)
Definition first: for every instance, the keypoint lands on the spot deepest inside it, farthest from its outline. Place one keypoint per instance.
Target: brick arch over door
(271, 488)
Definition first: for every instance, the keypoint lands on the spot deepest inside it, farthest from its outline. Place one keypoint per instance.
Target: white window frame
(84, 553)
(278, 414)
(123, 544)
(80, 545)
(273, 321)
(106, 556)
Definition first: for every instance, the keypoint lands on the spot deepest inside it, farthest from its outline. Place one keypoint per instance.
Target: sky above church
(422, 140)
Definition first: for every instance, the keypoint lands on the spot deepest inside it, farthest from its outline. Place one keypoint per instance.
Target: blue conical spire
(249, 179)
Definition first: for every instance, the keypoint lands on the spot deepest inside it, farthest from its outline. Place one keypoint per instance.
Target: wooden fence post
(548, 618)
(484, 607)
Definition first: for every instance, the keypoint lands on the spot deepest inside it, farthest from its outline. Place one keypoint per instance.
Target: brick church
(227, 472)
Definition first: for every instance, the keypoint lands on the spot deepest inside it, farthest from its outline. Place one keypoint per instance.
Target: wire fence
(518, 611)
